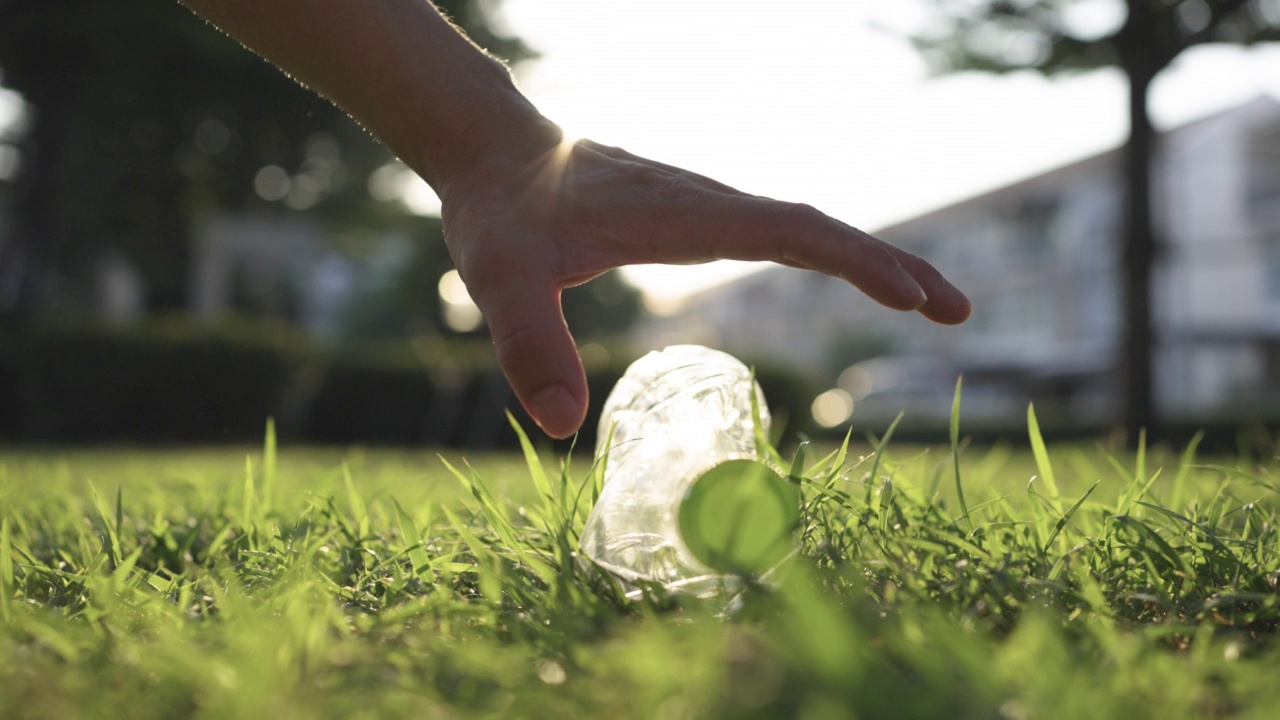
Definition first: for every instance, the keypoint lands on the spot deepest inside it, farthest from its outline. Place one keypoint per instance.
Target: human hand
(527, 214)
(520, 232)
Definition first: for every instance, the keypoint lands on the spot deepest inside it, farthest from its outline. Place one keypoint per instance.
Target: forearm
(436, 100)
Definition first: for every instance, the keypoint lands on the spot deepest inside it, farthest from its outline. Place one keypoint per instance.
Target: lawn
(932, 582)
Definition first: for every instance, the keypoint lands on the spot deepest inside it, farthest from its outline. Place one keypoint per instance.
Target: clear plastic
(672, 416)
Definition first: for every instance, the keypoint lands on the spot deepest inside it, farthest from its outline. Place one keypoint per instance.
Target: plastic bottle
(673, 416)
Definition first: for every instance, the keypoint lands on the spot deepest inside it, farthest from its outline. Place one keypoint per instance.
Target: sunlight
(667, 288)
(810, 102)
(552, 172)
(417, 195)
(10, 160)
(832, 408)
(395, 181)
(11, 112)
(459, 310)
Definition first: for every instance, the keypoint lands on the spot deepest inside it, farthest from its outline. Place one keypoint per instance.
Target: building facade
(1041, 261)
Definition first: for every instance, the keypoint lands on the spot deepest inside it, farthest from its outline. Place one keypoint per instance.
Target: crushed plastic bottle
(673, 416)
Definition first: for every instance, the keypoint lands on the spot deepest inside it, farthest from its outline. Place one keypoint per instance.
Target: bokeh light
(460, 312)
(832, 408)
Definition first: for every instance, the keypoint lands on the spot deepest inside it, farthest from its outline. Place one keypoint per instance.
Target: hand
(520, 232)
(526, 214)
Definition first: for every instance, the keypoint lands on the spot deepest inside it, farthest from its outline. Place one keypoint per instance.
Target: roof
(1260, 105)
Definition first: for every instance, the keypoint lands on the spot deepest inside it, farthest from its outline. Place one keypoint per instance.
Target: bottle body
(674, 415)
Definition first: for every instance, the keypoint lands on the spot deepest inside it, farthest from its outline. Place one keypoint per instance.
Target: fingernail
(911, 290)
(920, 295)
(958, 298)
(556, 412)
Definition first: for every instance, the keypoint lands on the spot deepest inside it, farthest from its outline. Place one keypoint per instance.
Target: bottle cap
(740, 517)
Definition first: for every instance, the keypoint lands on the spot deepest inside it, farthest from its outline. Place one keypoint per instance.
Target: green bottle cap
(740, 517)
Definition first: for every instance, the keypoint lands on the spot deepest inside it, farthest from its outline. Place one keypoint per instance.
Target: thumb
(539, 357)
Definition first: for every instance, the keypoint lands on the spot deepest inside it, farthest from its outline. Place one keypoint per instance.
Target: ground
(950, 581)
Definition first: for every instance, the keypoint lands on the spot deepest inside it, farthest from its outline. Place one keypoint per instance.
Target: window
(1032, 222)
(1263, 168)
(1271, 263)
(1271, 364)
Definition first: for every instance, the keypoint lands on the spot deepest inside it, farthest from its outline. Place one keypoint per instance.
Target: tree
(143, 117)
(1046, 37)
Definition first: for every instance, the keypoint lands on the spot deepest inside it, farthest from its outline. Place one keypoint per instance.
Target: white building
(1040, 260)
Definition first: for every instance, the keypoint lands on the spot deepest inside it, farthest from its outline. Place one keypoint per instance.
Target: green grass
(953, 582)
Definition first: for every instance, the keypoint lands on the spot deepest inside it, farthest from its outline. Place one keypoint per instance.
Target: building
(1041, 261)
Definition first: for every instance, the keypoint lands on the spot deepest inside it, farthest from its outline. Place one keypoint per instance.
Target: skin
(527, 213)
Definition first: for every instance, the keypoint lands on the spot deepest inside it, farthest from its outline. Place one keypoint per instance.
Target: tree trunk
(1138, 258)
(40, 232)
(35, 215)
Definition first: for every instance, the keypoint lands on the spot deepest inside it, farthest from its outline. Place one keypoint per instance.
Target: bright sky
(804, 101)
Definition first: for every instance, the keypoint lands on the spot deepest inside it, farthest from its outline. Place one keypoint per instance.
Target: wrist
(500, 134)
(477, 117)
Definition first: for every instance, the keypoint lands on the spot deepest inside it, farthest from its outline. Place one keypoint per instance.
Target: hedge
(164, 381)
(172, 381)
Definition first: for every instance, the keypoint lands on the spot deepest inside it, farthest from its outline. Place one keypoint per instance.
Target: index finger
(744, 227)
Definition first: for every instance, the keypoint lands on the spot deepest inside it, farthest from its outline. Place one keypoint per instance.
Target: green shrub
(789, 394)
(165, 380)
(10, 420)
(169, 380)
(381, 398)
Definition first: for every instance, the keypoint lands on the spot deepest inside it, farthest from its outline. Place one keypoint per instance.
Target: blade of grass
(1140, 462)
(797, 463)
(1139, 492)
(1185, 463)
(955, 453)
(880, 446)
(119, 509)
(123, 576)
(1161, 547)
(886, 504)
(764, 449)
(356, 501)
(536, 471)
(1209, 534)
(6, 568)
(269, 465)
(842, 454)
(413, 540)
(502, 525)
(1043, 466)
(1236, 472)
(249, 508)
(1039, 508)
(113, 539)
(601, 467)
(560, 502)
(487, 561)
(1062, 522)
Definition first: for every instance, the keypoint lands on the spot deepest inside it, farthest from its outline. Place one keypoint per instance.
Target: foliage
(601, 309)
(1059, 36)
(168, 380)
(320, 586)
(1063, 36)
(143, 118)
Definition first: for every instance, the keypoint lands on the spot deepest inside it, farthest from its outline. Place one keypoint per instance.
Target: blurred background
(190, 242)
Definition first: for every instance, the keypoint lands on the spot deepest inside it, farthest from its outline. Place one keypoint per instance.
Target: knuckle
(797, 213)
(668, 187)
(513, 342)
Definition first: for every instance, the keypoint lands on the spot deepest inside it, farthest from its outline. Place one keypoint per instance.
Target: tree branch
(1218, 12)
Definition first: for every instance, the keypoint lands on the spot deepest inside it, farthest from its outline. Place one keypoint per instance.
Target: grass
(956, 582)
